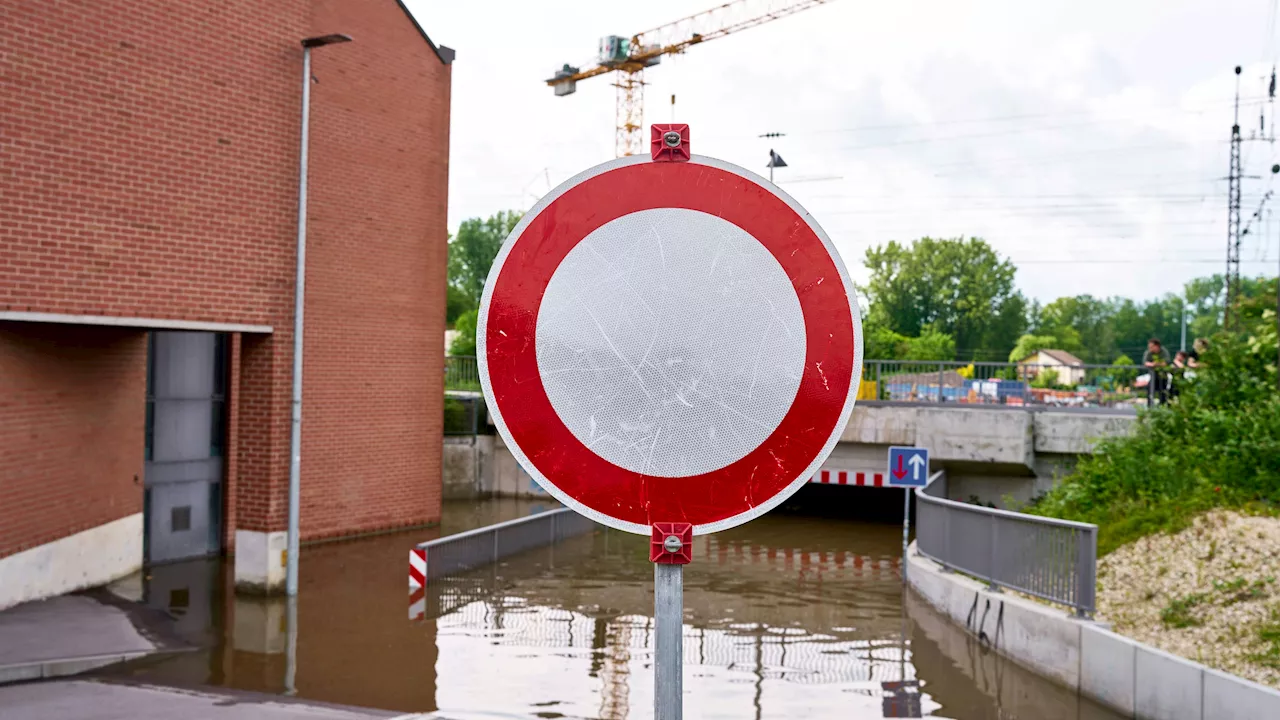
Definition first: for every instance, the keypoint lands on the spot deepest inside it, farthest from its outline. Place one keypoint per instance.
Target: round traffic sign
(669, 342)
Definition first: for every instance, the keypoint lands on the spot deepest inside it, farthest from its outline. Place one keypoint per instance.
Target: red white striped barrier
(417, 568)
(418, 604)
(848, 477)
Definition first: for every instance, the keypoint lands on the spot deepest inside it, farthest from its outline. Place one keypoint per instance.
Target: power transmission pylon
(1233, 217)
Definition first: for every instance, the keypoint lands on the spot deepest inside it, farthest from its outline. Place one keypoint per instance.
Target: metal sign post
(670, 549)
(906, 530)
(908, 469)
(618, 346)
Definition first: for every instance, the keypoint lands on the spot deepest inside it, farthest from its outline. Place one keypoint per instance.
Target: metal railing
(482, 546)
(460, 373)
(1002, 383)
(974, 383)
(1055, 560)
(463, 416)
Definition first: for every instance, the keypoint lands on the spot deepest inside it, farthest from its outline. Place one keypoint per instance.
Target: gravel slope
(1204, 593)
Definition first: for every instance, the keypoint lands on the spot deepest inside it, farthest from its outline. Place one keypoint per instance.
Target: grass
(1241, 590)
(1178, 613)
(1269, 636)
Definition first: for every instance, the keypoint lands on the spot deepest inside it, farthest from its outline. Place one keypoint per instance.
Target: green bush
(456, 418)
(464, 343)
(1216, 445)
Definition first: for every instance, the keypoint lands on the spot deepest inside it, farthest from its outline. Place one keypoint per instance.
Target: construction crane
(628, 58)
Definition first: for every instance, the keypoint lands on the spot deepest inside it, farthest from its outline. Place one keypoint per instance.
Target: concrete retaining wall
(1132, 678)
(485, 469)
(91, 557)
(468, 467)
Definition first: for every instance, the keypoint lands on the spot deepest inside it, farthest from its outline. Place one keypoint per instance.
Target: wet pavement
(787, 616)
(99, 700)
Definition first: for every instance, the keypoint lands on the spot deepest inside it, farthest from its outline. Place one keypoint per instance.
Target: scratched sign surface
(669, 342)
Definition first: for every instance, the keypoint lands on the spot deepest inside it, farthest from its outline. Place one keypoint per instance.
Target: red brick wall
(150, 169)
(150, 155)
(376, 273)
(72, 414)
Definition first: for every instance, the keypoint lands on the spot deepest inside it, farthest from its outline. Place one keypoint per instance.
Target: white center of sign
(670, 342)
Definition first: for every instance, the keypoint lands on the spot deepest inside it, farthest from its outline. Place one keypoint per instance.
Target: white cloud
(1086, 131)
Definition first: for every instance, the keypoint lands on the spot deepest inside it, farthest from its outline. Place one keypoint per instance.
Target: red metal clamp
(669, 142)
(671, 543)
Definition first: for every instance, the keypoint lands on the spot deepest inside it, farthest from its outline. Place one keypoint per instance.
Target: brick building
(148, 199)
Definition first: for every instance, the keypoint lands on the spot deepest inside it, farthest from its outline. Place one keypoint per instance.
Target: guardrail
(461, 373)
(981, 383)
(482, 546)
(1055, 560)
(997, 383)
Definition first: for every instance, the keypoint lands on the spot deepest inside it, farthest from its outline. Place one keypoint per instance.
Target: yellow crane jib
(628, 57)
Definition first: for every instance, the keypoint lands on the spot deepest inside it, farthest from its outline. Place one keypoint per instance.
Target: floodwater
(788, 616)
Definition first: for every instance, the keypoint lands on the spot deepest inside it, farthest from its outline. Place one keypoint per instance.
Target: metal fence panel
(1003, 383)
(1052, 559)
(483, 546)
(461, 373)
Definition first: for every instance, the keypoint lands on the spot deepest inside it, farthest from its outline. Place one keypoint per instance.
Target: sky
(1087, 141)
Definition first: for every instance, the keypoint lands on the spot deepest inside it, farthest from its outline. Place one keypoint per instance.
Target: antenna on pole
(1233, 217)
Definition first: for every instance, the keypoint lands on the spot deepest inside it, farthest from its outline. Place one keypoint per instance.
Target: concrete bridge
(992, 452)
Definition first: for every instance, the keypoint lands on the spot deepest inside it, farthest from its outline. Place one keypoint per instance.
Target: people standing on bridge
(1157, 359)
(1181, 370)
(1195, 354)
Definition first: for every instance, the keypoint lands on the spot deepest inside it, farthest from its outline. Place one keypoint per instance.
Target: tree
(1122, 372)
(882, 343)
(1047, 378)
(1081, 325)
(456, 302)
(931, 345)
(961, 288)
(1029, 345)
(464, 343)
(472, 250)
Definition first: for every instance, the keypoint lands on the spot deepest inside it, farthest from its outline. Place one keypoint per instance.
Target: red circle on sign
(633, 501)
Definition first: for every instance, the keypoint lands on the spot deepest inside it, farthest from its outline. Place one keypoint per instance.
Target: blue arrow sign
(908, 466)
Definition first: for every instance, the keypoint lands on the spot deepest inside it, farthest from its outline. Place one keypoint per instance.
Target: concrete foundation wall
(996, 454)
(88, 558)
(486, 469)
(1129, 677)
(468, 468)
(508, 478)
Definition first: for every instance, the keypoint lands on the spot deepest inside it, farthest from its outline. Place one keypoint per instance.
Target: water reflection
(785, 616)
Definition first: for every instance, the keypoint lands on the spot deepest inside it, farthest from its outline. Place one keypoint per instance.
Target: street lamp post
(295, 436)
(1183, 344)
(775, 161)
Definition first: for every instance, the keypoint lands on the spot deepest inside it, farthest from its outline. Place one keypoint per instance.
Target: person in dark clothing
(1157, 359)
(1197, 349)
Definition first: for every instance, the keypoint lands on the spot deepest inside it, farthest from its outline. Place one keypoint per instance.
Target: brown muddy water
(788, 616)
